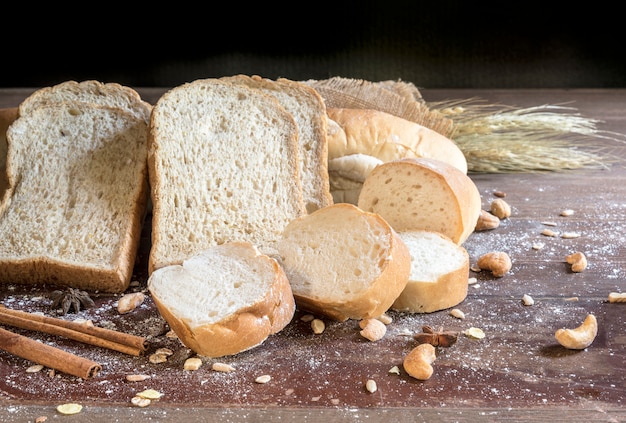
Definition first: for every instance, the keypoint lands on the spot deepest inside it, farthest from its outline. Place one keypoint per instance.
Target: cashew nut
(581, 337)
(577, 260)
(498, 262)
(417, 363)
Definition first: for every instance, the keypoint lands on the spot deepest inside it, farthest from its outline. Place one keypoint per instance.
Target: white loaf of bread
(388, 137)
(224, 300)
(344, 263)
(423, 194)
(439, 273)
(309, 111)
(224, 166)
(7, 116)
(76, 198)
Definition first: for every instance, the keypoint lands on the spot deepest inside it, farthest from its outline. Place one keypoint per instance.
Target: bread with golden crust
(423, 194)
(344, 263)
(224, 300)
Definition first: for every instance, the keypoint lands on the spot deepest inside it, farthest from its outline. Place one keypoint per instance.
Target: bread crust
(383, 288)
(245, 329)
(388, 137)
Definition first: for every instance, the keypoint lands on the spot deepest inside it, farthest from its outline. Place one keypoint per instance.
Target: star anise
(71, 299)
(436, 338)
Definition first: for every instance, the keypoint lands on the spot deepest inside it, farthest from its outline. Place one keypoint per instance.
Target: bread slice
(388, 137)
(7, 116)
(309, 111)
(90, 91)
(224, 300)
(78, 189)
(423, 194)
(439, 273)
(224, 167)
(344, 263)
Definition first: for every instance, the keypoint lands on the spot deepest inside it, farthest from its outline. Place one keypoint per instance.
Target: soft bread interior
(212, 285)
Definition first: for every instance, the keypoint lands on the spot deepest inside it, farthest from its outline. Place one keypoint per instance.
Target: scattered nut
(500, 208)
(455, 312)
(150, 394)
(394, 370)
(527, 300)
(35, 368)
(263, 379)
(581, 337)
(69, 408)
(307, 318)
(577, 260)
(616, 297)
(318, 326)
(138, 401)
(370, 385)
(570, 235)
(472, 281)
(385, 318)
(548, 232)
(193, 363)
(498, 262)
(157, 358)
(550, 223)
(475, 333)
(567, 212)
(499, 194)
(137, 378)
(486, 221)
(41, 419)
(222, 367)
(417, 362)
(372, 329)
(129, 302)
(538, 245)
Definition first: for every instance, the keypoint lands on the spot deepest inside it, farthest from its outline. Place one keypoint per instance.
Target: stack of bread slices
(263, 199)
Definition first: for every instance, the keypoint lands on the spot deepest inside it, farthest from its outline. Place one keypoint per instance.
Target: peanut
(581, 337)
(486, 221)
(498, 262)
(578, 261)
(500, 208)
(417, 362)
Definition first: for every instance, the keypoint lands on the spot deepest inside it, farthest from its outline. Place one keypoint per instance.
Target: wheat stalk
(504, 139)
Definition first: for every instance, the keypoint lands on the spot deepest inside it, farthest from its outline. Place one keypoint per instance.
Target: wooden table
(517, 372)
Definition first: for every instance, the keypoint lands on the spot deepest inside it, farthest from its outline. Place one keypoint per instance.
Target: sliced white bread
(76, 198)
(89, 91)
(439, 273)
(7, 116)
(224, 166)
(224, 300)
(423, 194)
(388, 137)
(309, 111)
(344, 263)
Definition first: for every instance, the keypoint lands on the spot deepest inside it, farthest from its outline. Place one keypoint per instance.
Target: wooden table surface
(517, 372)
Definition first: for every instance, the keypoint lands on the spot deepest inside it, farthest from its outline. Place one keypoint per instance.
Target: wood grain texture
(517, 372)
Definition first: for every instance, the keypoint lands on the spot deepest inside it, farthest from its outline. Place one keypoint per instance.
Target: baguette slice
(78, 191)
(344, 263)
(423, 194)
(224, 166)
(309, 111)
(224, 300)
(439, 273)
(388, 137)
(107, 94)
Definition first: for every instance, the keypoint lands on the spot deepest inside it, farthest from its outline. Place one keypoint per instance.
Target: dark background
(445, 44)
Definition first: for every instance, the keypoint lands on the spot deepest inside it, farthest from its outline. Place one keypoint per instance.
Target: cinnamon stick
(101, 337)
(47, 355)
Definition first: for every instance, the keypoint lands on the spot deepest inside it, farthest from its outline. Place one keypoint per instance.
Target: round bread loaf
(344, 263)
(423, 194)
(227, 299)
(439, 273)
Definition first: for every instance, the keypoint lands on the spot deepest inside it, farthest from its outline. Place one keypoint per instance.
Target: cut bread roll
(388, 137)
(309, 111)
(344, 263)
(76, 198)
(347, 174)
(423, 194)
(224, 166)
(224, 300)
(439, 273)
